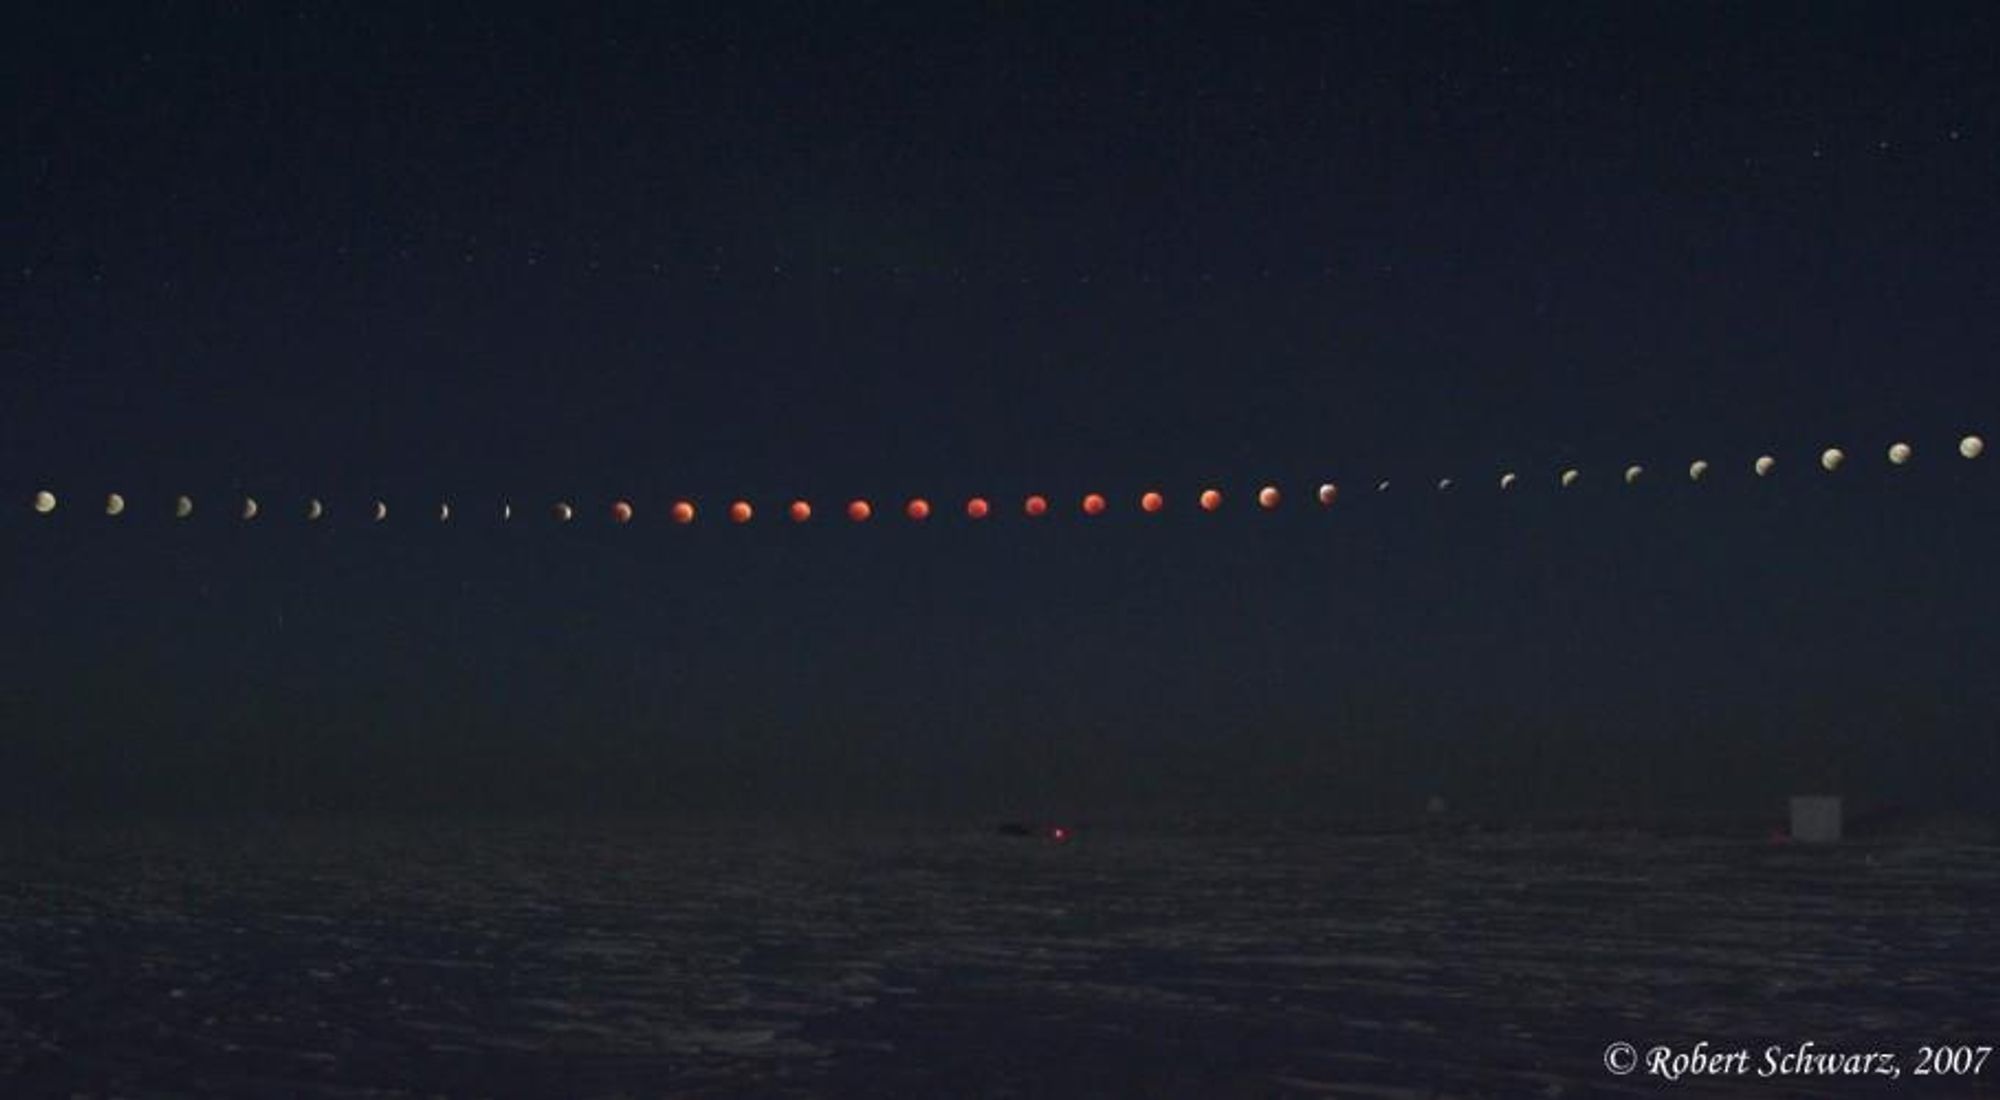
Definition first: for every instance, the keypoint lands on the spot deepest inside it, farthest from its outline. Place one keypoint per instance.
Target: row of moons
(919, 509)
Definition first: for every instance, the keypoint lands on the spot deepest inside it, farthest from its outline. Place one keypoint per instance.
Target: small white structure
(1816, 818)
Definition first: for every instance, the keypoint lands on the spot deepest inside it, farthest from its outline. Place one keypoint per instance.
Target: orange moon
(801, 511)
(976, 508)
(740, 512)
(622, 512)
(918, 509)
(1093, 504)
(1267, 497)
(1035, 505)
(1210, 500)
(683, 511)
(859, 511)
(1152, 502)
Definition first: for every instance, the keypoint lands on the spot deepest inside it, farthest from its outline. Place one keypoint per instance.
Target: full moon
(1764, 465)
(918, 509)
(1211, 499)
(1152, 502)
(183, 507)
(1972, 446)
(1507, 481)
(859, 511)
(801, 511)
(1267, 497)
(1093, 504)
(114, 505)
(1569, 478)
(1328, 493)
(976, 508)
(1899, 454)
(1697, 470)
(1831, 458)
(249, 507)
(1035, 505)
(1633, 473)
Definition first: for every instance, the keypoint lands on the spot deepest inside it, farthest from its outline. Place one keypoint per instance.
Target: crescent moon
(1382, 486)
(314, 509)
(444, 512)
(45, 501)
(1570, 477)
(1972, 446)
(183, 507)
(381, 511)
(1831, 458)
(249, 507)
(1507, 481)
(564, 513)
(1899, 454)
(114, 505)
(1697, 469)
(1632, 473)
(1444, 485)
(1764, 465)
(506, 511)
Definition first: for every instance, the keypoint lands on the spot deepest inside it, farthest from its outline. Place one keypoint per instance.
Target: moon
(183, 507)
(1972, 446)
(1328, 493)
(314, 509)
(1151, 501)
(1035, 505)
(1899, 454)
(444, 512)
(1382, 486)
(1764, 465)
(506, 511)
(682, 512)
(621, 511)
(114, 505)
(563, 512)
(740, 512)
(1633, 473)
(249, 507)
(1831, 458)
(45, 501)
(1211, 499)
(918, 509)
(381, 511)
(1507, 481)
(976, 508)
(1444, 485)
(801, 511)
(1268, 497)
(1569, 478)
(1697, 470)
(859, 510)
(1093, 504)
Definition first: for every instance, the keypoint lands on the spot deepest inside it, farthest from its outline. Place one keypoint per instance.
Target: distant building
(1816, 818)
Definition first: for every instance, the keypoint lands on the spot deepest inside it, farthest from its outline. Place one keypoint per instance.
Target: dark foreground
(630, 960)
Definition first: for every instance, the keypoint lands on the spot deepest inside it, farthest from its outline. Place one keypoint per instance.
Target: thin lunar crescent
(314, 509)
(1697, 469)
(249, 507)
(183, 507)
(1382, 486)
(506, 512)
(1507, 481)
(45, 501)
(1764, 465)
(381, 511)
(114, 505)
(1633, 473)
(1972, 446)
(444, 512)
(1570, 477)
(1831, 458)
(1899, 454)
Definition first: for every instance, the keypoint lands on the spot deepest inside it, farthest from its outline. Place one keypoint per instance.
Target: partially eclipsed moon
(1268, 498)
(741, 512)
(1151, 501)
(45, 501)
(683, 512)
(1633, 473)
(506, 511)
(314, 509)
(1507, 481)
(621, 511)
(1093, 504)
(918, 509)
(183, 507)
(1382, 486)
(1697, 470)
(1035, 505)
(858, 511)
(1569, 478)
(1831, 458)
(1444, 485)
(1211, 499)
(381, 511)
(1328, 493)
(1764, 465)
(114, 505)
(1972, 446)
(1899, 454)
(563, 512)
(249, 507)
(801, 511)
(976, 508)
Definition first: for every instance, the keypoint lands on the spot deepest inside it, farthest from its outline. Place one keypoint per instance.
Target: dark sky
(450, 251)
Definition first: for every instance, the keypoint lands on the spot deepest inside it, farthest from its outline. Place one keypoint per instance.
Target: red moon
(859, 511)
(976, 508)
(1093, 504)
(1328, 493)
(740, 512)
(1267, 497)
(1210, 500)
(683, 512)
(1035, 505)
(918, 509)
(622, 512)
(1152, 502)
(801, 511)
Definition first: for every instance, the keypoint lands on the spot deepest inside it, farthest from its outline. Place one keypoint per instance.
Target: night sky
(453, 252)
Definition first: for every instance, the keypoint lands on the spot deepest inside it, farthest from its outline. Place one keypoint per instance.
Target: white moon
(1764, 465)
(444, 512)
(1899, 453)
(381, 511)
(1507, 481)
(506, 511)
(564, 513)
(1382, 486)
(314, 509)
(249, 507)
(1328, 493)
(1831, 458)
(1697, 470)
(1972, 446)
(1632, 474)
(1569, 478)
(45, 501)
(1444, 485)
(183, 507)
(114, 505)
